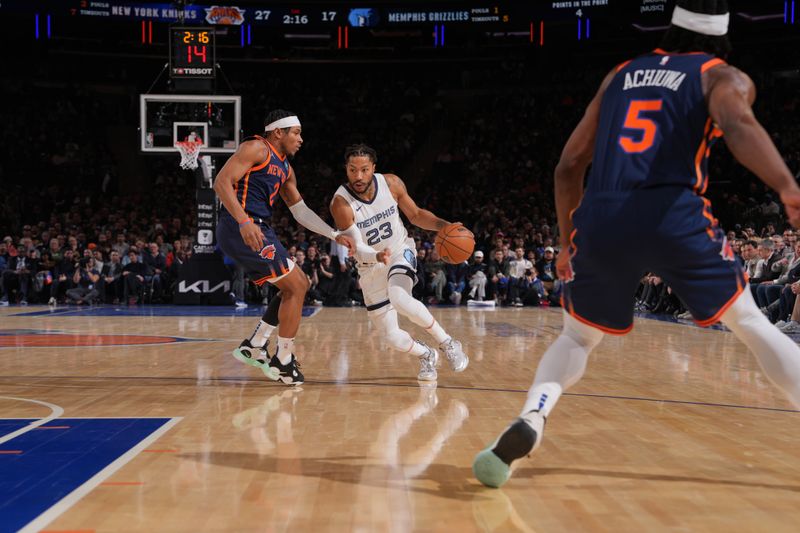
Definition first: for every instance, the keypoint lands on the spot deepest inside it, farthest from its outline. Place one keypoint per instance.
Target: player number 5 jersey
(379, 220)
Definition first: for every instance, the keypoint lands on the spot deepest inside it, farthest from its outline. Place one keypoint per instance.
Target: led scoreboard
(191, 52)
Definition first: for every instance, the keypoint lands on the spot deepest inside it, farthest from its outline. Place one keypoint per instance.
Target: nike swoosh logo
(359, 208)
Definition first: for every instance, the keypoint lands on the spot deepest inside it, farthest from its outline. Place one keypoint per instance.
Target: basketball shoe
(493, 466)
(427, 364)
(289, 373)
(455, 354)
(251, 355)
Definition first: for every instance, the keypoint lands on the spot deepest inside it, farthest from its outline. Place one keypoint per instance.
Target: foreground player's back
(657, 130)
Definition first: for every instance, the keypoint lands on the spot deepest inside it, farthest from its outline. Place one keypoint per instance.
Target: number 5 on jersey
(646, 127)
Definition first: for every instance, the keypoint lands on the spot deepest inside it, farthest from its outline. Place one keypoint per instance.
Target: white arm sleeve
(364, 253)
(310, 220)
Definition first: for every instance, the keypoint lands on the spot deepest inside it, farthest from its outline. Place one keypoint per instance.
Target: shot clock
(191, 52)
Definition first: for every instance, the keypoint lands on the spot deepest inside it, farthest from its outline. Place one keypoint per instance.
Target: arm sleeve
(364, 253)
(310, 220)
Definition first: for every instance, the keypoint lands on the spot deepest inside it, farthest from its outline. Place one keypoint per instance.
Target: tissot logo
(203, 286)
(182, 71)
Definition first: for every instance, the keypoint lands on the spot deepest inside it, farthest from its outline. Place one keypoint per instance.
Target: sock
(542, 397)
(261, 334)
(285, 349)
(437, 332)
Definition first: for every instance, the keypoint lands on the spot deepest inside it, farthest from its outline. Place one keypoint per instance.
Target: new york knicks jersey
(654, 127)
(378, 220)
(256, 192)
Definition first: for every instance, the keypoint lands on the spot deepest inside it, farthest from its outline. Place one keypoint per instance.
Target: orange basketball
(454, 243)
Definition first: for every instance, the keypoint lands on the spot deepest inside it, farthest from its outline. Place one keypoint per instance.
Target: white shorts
(374, 279)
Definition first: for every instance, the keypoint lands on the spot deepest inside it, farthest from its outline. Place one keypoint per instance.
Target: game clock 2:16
(191, 52)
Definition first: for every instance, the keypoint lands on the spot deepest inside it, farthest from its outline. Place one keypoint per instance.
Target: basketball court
(138, 419)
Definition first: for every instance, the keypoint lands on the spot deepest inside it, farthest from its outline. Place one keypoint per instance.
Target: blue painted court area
(157, 310)
(45, 464)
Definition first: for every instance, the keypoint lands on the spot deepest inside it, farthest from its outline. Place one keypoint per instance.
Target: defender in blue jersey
(648, 134)
(248, 186)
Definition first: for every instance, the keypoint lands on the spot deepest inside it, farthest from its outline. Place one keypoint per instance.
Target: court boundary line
(66, 503)
(55, 412)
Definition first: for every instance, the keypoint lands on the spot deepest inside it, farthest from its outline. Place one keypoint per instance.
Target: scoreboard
(322, 13)
(191, 52)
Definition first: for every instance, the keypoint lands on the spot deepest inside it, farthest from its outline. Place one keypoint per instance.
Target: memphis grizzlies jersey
(654, 125)
(379, 220)
(257, 190)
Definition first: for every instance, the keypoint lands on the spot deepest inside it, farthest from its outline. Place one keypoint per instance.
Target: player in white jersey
(368, 209)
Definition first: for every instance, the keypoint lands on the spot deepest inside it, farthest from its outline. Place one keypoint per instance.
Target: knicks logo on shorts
(268, 252)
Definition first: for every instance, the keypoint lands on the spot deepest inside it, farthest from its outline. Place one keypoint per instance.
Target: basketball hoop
(190, 150)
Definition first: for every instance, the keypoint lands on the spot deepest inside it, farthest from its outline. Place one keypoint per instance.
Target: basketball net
(190, 151)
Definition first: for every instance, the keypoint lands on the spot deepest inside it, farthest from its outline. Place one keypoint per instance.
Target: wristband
(245, 222)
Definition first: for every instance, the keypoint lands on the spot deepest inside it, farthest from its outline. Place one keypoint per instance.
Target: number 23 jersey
(378, 220)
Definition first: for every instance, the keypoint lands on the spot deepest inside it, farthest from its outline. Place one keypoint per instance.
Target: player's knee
(399, 340)
(585, 336)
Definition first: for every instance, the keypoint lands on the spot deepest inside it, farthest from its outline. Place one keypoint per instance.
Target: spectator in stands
(110, 285)
(516, 271)
(497, 276)
(546, 267)
(477, 277)
(156, 270)
(437, 280)
(133, 273)
(85, 279)
(18, 275)
(456, 280)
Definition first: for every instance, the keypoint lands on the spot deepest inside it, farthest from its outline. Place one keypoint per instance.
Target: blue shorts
(619, 237)
(271, 263)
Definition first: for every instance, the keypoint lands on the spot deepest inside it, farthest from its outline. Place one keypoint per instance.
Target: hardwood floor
(673, 428)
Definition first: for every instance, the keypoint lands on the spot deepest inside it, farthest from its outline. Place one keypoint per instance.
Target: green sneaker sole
(490, 470)
(272, 373)
(241, 357)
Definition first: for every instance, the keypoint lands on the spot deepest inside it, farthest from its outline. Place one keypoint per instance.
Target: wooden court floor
(150, 425)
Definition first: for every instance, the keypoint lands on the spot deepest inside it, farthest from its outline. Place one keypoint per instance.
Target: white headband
(286, 122)
(701, 22)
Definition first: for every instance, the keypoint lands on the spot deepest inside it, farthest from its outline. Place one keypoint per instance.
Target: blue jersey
(654, 125)
(256, 192)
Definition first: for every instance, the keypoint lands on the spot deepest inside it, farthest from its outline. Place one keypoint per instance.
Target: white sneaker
(240, 304)
(493, 466)
(3, 302)
(780, 323)
(686, 315)
(52, 302)
(455, 354)
(427, 364)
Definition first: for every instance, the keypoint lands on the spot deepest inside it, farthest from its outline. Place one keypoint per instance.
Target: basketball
(454, 243)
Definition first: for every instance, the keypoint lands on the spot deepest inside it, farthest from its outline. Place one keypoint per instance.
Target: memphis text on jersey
(654, 77)
(374, 219)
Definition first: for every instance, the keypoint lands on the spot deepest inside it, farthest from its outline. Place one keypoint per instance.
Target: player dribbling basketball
(367, 208)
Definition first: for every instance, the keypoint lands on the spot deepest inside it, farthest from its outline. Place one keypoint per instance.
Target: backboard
(167, 118)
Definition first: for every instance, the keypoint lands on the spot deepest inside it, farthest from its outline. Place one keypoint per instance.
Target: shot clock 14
(191, 53)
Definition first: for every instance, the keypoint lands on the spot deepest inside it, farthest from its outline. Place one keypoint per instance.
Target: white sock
(261, 334)
(285, 349)
(438, 333)
(777, 354)
(542, 397)
(418, 349)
